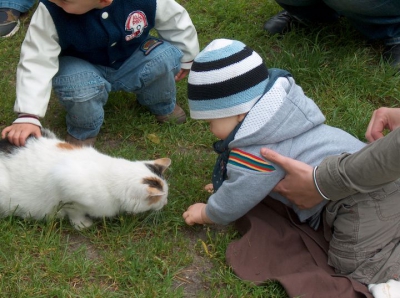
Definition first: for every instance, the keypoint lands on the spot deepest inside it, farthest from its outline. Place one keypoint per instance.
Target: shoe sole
(178, 118)
(13, 31)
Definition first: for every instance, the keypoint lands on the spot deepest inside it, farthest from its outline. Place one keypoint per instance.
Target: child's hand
(196, 214)
(181, 74)
(19, 132)
(209, 187)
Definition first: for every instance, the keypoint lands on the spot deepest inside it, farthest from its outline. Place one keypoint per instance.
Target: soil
(190, 279)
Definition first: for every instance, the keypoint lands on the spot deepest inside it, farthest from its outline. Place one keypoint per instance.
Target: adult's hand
(18, 133)
(298, 184)
(382, 118)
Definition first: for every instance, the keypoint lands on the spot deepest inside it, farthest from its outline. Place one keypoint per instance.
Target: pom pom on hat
(226, 79)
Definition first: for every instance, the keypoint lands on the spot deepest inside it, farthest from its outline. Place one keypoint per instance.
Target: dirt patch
(191, 279)
(76, 242)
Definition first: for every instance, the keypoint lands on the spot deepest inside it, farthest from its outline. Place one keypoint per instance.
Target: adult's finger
(275, 157)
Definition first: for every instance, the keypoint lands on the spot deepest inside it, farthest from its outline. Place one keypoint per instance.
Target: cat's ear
(159, 166)
(155, 189)
(164, 163)
(154, 195)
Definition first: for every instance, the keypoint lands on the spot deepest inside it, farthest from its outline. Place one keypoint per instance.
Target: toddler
(85, 49)
(250, 107)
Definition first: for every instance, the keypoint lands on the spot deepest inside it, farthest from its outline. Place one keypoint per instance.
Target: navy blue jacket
(105, 36)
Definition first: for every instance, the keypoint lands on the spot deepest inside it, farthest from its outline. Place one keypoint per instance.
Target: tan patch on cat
(155, 189)
(154, 199)
(164, 162)
(154, 182)
(67, 146)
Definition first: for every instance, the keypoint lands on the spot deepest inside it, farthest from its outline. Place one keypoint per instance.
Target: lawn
(156, 254)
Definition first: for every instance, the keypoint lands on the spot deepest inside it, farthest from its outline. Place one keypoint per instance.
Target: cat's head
(153, 187)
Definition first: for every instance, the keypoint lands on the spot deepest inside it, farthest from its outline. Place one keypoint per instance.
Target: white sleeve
(173, 24)
(38, 64)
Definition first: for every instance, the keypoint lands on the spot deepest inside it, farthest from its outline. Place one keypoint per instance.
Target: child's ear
(105, 3)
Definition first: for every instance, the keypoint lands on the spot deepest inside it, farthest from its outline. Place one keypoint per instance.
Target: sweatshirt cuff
(213, 218)
(187, 65)
(26, 118)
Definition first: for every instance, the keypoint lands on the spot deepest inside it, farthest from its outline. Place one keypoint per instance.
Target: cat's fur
(49, 177)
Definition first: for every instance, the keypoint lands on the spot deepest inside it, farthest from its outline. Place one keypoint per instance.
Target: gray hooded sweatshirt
(288, 122)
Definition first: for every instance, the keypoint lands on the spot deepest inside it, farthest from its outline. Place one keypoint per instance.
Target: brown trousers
(276, 246)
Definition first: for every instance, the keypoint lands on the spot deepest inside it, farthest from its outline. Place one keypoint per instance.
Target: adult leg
(21, 5)
(376, 19)
(150, 74)
(10, 11)
(364, 235)
(83, 91)
(304, 11)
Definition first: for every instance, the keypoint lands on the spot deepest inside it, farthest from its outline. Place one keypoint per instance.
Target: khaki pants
(363, 231)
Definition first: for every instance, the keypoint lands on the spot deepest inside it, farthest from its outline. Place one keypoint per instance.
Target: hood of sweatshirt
(284, 112)
(287, 121)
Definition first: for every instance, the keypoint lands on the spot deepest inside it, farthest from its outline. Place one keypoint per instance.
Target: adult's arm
(339, 176)
(366, 170)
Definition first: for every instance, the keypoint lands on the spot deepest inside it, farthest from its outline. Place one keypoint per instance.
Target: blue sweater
(105, 36)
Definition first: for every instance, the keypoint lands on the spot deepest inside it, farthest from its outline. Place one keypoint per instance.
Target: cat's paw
(81, 223)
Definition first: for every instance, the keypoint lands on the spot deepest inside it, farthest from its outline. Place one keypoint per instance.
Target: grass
(156, 254)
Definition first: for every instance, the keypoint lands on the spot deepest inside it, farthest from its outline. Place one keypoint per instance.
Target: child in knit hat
(250, 107)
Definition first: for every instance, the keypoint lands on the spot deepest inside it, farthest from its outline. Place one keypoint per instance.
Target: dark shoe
(391, 55)
(9, 22)
(279, 23)
(178, 116)
(80, 143)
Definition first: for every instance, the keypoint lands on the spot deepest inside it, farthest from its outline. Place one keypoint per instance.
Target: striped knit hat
(226, 79)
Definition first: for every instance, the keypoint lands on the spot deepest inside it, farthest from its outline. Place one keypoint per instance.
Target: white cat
(49, 177)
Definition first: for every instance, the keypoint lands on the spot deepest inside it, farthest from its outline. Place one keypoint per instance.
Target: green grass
(156, 254)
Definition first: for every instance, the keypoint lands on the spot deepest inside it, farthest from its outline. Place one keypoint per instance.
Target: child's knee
(165, 64)
(80, 87)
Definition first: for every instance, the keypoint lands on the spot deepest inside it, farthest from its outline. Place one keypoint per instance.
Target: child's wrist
(27, 118)
(204, 217)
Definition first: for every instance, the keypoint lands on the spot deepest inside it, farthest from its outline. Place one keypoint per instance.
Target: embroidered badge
(248, 161)
(149, 45)
(136, 22)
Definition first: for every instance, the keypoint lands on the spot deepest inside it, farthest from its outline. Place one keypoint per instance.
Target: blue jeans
(20, 5)
(376, 19)
(83, 88)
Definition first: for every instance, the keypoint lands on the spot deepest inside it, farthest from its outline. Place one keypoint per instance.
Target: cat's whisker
(154, 217)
